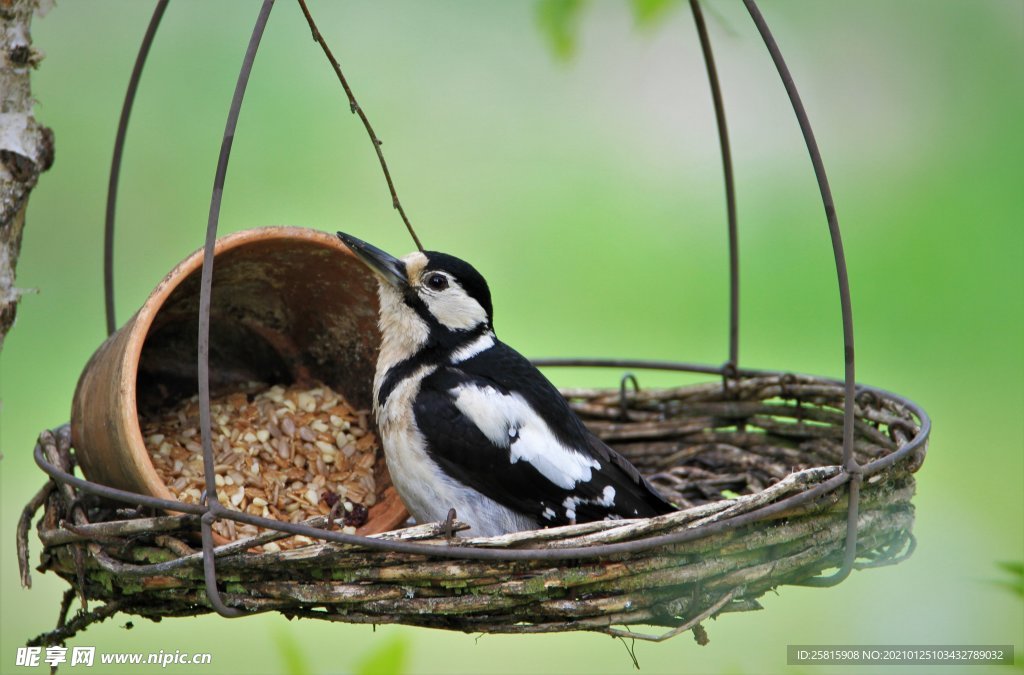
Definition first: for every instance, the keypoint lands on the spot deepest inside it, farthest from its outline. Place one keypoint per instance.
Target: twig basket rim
(581, 548)
(378, 544)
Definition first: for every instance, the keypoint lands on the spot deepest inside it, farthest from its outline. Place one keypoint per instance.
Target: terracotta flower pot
(289, 305)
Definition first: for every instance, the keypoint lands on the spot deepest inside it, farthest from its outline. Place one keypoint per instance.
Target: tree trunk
(26, 147)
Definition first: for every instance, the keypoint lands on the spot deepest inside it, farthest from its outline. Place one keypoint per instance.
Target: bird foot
(448, 526)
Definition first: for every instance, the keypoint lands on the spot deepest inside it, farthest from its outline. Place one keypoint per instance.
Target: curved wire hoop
(211, 509)
(214, 508)
(115, 164)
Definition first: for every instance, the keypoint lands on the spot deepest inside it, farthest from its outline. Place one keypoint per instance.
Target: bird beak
(386, 266)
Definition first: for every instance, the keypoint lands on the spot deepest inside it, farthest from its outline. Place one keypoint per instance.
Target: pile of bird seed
(284, 453)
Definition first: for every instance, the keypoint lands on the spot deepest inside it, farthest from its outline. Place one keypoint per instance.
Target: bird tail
(644, 495)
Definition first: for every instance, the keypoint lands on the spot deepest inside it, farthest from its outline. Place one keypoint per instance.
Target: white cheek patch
(508, 421)
(454, 309)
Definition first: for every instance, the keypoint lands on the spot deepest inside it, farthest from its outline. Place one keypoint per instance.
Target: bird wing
(521, 445)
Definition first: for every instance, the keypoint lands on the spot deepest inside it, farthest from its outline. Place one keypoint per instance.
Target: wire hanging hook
(627, 378)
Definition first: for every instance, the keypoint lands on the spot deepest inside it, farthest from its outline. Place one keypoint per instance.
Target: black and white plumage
(468, 423)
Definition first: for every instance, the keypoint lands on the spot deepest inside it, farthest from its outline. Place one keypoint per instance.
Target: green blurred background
(588, 190)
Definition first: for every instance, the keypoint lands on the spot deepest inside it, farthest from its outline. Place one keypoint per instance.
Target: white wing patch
(508, 421)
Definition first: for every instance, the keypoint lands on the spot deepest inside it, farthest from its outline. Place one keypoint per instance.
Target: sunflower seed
(276, 452)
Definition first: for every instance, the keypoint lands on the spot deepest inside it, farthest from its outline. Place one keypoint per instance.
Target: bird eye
(437, 282)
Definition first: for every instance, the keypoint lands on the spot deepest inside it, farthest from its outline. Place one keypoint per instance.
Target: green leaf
(650, 12)
(558, 21)
(295, 662)
(1016, 583)
(389, 658)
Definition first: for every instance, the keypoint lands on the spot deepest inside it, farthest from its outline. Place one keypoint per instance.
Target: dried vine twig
(357, 109)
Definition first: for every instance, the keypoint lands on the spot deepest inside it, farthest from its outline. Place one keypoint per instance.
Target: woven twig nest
(721, 451)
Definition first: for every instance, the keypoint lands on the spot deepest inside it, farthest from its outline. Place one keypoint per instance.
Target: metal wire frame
(849, 462)
(115, 164)
(212, 509)
(730, 183)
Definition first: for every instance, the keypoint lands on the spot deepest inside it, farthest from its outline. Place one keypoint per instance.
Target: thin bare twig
(65, 606)
(81, 621)
(57, 447)
(114, 529)
(194, 558)
(173, 544)
(357, 109)
(24, 523)
(62, 616)
(689, 625)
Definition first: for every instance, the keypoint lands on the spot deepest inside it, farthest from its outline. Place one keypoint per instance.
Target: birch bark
(26, 147)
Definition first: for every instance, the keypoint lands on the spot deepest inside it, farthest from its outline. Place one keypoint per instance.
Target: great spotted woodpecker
(468, 423)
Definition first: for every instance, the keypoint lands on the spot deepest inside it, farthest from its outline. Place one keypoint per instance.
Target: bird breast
(403, 333)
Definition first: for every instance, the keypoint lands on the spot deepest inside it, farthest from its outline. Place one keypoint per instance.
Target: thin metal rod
(115, 164)
(850, 465)
(846, 305)
(628, 363)
(730, 185)
(850, 552)
(205, 292)
(356, 108)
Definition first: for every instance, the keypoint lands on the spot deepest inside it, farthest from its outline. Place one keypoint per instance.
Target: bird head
(427, 290)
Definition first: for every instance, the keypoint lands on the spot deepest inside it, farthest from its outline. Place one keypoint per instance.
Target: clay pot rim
(143, 321)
